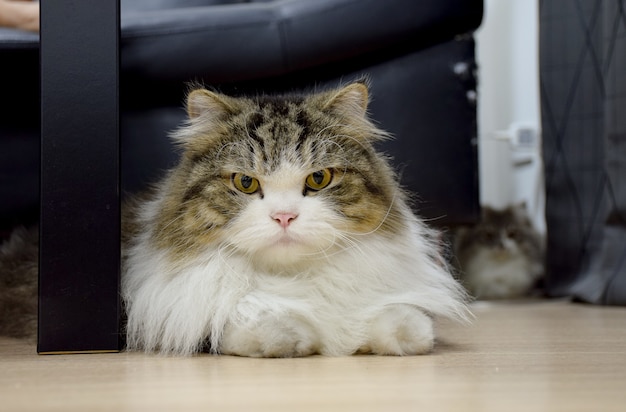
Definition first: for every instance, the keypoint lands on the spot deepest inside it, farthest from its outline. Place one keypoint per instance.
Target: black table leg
(79, 307)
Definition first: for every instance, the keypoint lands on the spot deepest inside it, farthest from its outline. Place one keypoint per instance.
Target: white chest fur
(339, 297)
(494, 274)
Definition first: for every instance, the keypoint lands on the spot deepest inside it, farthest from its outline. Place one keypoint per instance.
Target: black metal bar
(79, 307)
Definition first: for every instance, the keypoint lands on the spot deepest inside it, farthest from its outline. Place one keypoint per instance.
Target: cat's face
(282, 180)
(503, 230)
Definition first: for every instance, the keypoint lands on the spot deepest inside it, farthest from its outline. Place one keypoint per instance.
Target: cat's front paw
(401, 330)
(269, 338)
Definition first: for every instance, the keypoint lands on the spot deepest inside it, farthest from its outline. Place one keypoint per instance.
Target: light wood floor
(530, 356)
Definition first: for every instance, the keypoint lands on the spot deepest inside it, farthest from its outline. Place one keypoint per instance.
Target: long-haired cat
(502, 256)
(18, 284)
(282, 232)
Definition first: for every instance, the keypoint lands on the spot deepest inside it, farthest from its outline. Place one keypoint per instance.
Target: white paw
(401, 330)
(269, 337)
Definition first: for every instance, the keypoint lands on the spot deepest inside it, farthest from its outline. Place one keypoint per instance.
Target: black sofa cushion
(233, 42)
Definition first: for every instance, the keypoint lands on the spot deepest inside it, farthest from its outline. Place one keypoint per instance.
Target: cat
(502, 257)
(18, 284)
(282, 233)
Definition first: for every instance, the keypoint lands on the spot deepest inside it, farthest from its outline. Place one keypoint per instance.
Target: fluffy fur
(502, 256)
(287, 270)
(18, 284)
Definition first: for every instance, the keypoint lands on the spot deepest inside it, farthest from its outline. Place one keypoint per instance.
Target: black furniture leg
(79, 307)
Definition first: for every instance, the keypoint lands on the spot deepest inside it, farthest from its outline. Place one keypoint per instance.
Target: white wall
(507, 52)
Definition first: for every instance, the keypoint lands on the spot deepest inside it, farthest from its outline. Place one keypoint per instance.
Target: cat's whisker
(172, 222)
(354, 243)
(225, 258)
(324, 251)
(336, 243)
(388, 213)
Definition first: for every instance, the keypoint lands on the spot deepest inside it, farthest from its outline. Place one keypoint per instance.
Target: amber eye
(245, 184)
(319, 179)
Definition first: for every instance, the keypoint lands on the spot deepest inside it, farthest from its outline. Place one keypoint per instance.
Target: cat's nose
(284, 218)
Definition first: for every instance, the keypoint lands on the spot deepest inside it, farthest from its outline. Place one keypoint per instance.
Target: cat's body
(502, 256)
(336, 303)
(281, 233)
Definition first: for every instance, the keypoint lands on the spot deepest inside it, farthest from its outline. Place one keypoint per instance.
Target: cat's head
(280, 179)
(503, 229)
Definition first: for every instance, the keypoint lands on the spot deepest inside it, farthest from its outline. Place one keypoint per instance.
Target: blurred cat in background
(502, 256)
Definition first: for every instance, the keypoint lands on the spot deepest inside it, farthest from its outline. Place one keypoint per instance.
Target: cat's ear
(350, 105)
(207, 111)
(207, 104)
(350, 101)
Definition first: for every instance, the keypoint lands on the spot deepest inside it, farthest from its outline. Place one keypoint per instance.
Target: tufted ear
(204, 103)
(350, 101)
(207, 111)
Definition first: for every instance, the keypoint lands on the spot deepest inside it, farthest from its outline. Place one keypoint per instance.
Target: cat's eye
(319, 180)
(512, 233)
(245, 184)
(489, 235)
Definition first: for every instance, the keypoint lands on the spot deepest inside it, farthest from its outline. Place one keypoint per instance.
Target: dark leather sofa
(418, 55)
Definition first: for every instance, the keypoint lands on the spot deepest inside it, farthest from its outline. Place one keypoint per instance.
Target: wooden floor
(531, 356)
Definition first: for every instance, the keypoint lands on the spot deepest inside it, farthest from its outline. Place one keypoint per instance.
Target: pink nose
(284, 218)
